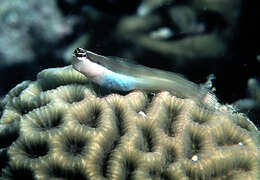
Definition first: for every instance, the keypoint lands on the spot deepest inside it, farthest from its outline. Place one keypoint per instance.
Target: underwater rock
(29, 28)
(253, 101)
(197, 30)
(251, 104)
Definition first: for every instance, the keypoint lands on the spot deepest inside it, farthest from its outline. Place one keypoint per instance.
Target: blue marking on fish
(118, 82)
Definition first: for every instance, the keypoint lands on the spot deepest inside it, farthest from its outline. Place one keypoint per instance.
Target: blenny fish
(119, 74)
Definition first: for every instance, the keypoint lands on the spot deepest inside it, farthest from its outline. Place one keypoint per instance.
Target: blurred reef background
(193, 37)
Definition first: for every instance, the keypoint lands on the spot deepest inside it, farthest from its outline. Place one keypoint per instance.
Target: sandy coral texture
(59, 127)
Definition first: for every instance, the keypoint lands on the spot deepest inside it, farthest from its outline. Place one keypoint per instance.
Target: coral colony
(60, 126)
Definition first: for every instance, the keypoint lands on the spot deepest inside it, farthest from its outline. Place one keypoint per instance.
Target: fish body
(115, 73)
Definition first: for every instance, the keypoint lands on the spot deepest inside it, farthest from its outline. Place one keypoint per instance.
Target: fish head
(88, 64)
(82, 54)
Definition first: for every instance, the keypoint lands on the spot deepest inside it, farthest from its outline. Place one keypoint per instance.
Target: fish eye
(80, 52)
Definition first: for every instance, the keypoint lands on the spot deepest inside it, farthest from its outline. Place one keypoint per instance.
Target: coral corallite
(59, 127)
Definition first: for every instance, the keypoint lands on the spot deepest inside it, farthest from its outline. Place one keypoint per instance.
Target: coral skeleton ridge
(60, 127)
